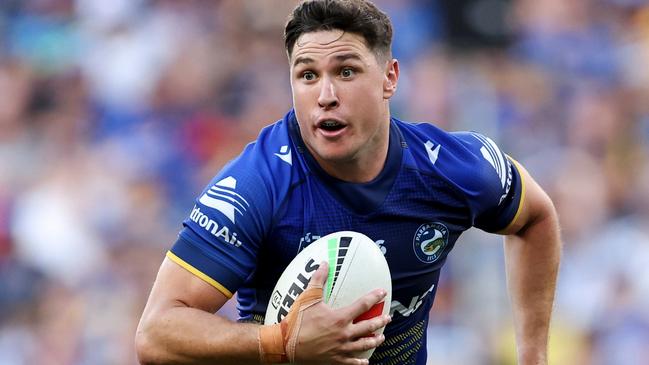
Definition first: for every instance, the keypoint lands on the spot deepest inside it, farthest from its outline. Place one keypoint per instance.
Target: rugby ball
(356, 267)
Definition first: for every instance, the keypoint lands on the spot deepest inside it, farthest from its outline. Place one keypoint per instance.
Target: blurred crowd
(115, 114)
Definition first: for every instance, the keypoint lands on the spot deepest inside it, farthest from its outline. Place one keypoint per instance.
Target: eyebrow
(348, 56)
(339, 58)
(305, 60)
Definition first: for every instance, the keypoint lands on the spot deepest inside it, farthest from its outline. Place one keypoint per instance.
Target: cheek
(303, 96)
(298, 104)
(370, 91)
(367, 99)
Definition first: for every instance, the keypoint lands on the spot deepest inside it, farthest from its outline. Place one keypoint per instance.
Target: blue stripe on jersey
(204, 262)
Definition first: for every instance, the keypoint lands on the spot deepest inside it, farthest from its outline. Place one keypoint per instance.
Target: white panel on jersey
(492, 154)
(222, 197)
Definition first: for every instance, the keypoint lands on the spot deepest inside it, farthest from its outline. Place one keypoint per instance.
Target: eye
(308, 76)
(347, 72)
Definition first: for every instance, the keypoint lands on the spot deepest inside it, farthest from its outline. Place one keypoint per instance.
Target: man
(339, 161)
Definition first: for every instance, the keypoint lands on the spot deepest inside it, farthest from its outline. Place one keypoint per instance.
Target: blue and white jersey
(274, 199)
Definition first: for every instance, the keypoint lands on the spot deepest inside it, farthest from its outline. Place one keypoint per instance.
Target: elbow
(145, 348)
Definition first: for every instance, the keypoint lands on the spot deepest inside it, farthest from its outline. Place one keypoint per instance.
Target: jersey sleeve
(491, 183)
(221, 236)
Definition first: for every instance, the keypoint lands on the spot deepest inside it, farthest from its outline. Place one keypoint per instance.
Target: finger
(372, 300)
(367, 327)
(319, 276)
(363, 344)
(351, 361)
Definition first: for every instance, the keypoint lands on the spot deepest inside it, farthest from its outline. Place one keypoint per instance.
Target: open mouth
(331, 125)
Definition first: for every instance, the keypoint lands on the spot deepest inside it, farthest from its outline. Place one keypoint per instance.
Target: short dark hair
(360, 17)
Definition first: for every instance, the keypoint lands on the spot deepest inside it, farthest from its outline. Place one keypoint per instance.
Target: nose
(327, 98)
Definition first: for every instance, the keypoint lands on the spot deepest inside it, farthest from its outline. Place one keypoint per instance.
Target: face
(340, 96)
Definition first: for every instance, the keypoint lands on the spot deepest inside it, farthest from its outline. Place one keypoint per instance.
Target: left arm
(532, 254)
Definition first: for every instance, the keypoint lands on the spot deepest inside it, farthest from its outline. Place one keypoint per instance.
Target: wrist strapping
(277, 342)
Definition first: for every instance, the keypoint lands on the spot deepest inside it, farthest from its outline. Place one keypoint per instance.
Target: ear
(391, 78)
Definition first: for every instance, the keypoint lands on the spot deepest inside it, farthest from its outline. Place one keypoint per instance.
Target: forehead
(330, 43)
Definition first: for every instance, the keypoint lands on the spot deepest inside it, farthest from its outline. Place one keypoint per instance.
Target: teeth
(329, 123)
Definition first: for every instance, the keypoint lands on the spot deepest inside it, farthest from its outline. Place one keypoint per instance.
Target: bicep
(174, 286)
(535, 204)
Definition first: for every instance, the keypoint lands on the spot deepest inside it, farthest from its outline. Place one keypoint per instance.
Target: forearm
(192, 336)
(532, 259)
(173, 332)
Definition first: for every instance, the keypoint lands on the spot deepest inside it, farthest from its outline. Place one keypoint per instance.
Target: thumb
(319, 276)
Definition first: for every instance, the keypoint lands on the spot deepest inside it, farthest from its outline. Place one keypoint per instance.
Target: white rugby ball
(356, 267)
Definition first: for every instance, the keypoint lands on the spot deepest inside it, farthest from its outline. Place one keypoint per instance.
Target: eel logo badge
(429, 241)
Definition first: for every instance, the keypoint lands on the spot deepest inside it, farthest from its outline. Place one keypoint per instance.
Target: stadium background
(115, 114)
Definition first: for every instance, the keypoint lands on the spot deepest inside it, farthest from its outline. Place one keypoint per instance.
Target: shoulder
(267, 162)
(471, 163)
(262, 174)
(269, 151)
(457, 156)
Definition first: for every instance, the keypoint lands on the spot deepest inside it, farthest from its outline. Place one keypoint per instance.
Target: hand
(330, 336)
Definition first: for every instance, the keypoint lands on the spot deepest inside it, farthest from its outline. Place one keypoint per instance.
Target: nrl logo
(429, 241)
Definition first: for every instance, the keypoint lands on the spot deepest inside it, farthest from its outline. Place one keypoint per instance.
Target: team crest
(429, 241)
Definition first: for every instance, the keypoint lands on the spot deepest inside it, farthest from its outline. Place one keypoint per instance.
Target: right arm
(178, 326)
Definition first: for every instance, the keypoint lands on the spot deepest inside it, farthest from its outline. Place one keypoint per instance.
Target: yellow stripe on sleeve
(520, 202)
(199, 273)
